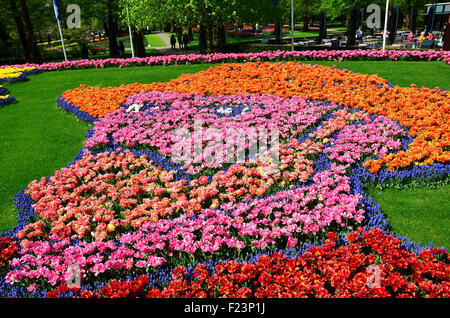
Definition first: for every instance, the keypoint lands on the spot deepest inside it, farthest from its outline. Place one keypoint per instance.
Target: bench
(427, 44)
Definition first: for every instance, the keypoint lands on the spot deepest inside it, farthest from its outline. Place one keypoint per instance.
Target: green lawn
(38, 138)
(154, 40)
(422, 215)
(301, 34)
(340, 30)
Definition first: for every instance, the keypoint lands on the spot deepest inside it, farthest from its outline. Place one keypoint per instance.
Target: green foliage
(258, 11)
(189, 13)
(421, 214)
(337, 10)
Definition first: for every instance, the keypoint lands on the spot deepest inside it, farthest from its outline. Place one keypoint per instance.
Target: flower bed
(290, 221)
(16, 73)
(205, 118)
(273, 56)
(5, 98)
(420, 111)
(333, 270)
(12, 75)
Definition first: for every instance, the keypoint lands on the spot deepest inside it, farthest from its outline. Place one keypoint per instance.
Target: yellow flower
(14, 72)
(110, 228)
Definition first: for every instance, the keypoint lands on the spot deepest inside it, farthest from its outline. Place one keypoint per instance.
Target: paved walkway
(167, 49)
(166, 38)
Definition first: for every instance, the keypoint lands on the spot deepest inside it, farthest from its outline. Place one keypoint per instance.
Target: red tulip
(203, 180)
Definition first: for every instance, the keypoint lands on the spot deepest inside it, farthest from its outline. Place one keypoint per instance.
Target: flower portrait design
(243, 180)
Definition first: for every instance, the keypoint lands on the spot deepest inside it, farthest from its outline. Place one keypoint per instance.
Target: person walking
(121, 49)
(185, 41)
(180, 40)
(173, 41)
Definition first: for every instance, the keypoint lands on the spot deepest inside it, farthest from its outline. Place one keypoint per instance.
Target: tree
(34, 50)
(183, 13)
(306, 10)
(305, 13)
(210, 14)
(112, 27)
(351, 27)
(27, 21)
(6, 45)
(406, 8)
(20, 30)
(263, 12)
(341, 9)
(255, 11)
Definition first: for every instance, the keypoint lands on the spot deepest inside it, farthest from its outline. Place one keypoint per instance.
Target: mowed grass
(38, 138)
(422, 215)
(154, 40)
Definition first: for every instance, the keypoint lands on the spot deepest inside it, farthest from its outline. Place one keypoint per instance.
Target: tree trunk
(5, 46)
(351, 28)
(278, 32)
(323, 25)
(278, 27)
(207, 25)
(349, 14)
(35, 53)
(190, 34)
(112, 29)
(20, 30)
(4, 36)
(202, 38)
(138, 43)
(221, 37)
(209, 38)
(306, 17)
(407, 9)
(305, 22)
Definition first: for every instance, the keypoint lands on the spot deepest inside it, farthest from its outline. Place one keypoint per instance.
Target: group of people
(423, 36)
(411, 37)
(183, 41)
(439, 41)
